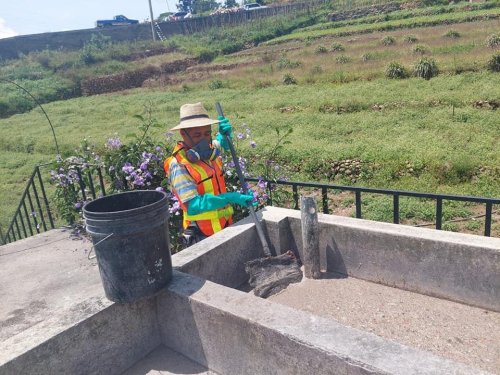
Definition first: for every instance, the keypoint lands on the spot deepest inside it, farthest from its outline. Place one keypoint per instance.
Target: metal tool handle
(260, 232)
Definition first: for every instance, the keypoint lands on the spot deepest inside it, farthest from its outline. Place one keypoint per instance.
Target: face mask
(202, 151)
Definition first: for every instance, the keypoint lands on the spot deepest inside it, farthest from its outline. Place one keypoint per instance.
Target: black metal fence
(396, 194)
(33, 215)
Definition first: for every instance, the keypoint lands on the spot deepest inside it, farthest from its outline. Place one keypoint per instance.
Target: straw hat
(194, 115)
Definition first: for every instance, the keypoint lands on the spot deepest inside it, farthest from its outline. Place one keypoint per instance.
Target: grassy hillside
(437, 135)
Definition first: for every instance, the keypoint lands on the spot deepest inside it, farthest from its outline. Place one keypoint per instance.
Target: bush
(342, 59)
(420, 49)
(216, 84)
(289, 79)
(410, 39)
(388, 41)
(493, 41)
(368, 56)
(453, 34)
(337, 47)
(494, 63)
(284, 63)
(320, 49)
(425, 68)
(396, 71)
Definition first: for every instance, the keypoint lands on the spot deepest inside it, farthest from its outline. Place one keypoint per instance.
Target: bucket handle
(92, 248)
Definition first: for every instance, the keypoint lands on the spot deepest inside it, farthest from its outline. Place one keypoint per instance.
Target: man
(196, 177)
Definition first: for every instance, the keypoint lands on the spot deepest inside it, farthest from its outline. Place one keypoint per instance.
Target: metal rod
(260, 232)
(22, 224)
(439, 213)
(101, 181)
(358, 204)
(46, 201)
(487, 219)
(295, 196)
(324, 196)
(81, 183)
(42, 218)
(27, 217)
(395, 209)
(91, 184)
(33, 212)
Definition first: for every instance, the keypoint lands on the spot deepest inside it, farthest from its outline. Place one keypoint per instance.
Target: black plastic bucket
(130, 236)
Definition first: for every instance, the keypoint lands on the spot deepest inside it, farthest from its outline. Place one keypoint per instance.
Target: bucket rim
(160, 202)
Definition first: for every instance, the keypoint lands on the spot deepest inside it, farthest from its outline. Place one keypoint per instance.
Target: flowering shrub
(138, 164)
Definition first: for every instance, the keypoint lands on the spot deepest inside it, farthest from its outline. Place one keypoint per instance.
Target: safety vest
(209, 179)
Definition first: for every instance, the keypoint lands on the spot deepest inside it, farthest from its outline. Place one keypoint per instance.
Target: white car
(253, 6)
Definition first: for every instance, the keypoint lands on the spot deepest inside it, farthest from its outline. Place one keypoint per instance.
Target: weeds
(410, 39)
(453, 34)
(494, 63)
(493, 41)
(425, 68)
(338, 47)
(388, 41)
(342, 59)
(320, 50)
(396, 71)
(216, 84)
(420, 49)
(289, 79)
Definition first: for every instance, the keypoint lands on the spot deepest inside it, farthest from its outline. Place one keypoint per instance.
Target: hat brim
(195, 123)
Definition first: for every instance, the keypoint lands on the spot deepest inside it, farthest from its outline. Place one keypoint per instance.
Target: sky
(22, 17)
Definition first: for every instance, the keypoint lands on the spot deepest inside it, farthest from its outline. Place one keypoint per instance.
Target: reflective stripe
(224, 212)
(209, 179)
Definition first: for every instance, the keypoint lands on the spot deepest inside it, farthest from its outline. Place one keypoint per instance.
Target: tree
(185, 5)
(198, 6)
(230, 4)
(201, 6)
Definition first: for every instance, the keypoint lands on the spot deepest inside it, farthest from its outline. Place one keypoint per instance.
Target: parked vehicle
(179, 16)
(253, 6)
(119, 20)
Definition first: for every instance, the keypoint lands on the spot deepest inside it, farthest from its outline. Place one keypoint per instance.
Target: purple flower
(262, 184)
(127, 168)
(253, 144)
(78, 205)
(113, 143)
(144, 165)
(241, 136)
(175, 207)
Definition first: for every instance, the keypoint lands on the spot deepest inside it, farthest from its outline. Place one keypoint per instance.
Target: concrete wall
(231, 332)
(106, 339)
(455, 266)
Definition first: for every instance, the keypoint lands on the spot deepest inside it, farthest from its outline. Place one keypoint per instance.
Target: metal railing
(33, 215)
(396, 194)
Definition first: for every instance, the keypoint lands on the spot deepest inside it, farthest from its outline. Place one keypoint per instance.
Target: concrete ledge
(232, 332)
(455, 266)
(221, 257)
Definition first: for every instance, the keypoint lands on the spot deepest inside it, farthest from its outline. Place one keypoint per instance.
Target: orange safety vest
(209, 179)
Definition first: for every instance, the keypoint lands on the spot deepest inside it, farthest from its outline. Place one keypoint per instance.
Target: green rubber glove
(206, 202)
(224, 143)
(239, 199)
(225, 128)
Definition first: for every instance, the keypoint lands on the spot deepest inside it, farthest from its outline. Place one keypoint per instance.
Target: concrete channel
(55, 319)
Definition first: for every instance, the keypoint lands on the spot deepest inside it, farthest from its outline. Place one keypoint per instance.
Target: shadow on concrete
(334, 261)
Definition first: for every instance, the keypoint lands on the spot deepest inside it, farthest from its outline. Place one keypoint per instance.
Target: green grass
(410, 134)
(420, 21)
